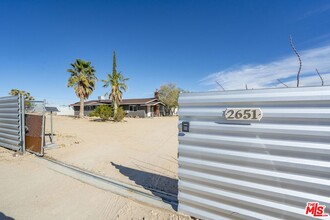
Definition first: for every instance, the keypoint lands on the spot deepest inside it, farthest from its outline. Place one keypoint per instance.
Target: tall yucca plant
(117, 83)
(83, 80)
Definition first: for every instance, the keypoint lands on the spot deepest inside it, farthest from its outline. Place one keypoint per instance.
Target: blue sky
(191, 43)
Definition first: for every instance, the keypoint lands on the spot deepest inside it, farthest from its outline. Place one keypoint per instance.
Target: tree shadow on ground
(100, 120)
(105, 121)
(5, 217)
(153, 182)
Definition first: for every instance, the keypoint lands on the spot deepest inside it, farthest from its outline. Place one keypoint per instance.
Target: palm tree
(117, 83)
(83, 80)
(27, 96)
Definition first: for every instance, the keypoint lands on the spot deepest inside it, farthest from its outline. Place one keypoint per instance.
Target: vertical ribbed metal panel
(267, 169)
(10, 122)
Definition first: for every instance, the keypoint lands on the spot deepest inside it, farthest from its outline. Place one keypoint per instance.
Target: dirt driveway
(29, 189)
(139, 151)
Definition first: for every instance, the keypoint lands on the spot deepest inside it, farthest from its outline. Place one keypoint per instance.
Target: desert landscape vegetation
(140, 152)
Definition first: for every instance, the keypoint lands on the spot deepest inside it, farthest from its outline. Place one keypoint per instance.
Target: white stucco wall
(65, 110)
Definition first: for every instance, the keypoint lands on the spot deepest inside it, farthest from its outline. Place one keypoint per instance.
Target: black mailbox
(185, 126)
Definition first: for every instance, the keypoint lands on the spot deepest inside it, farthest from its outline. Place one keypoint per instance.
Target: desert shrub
(103, 111)
(119, 115)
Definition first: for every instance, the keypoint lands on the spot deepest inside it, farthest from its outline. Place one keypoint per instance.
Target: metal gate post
(43, 127)
(22, 123)
(51, 126)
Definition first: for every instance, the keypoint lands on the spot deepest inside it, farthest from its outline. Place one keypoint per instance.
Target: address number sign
(243, 114)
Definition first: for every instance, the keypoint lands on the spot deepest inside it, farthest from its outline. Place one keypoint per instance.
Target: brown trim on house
(153, 104)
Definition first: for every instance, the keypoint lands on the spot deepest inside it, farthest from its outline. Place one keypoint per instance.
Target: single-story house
(150, 106)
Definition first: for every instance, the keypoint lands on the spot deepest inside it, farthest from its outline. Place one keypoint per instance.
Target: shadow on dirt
(100, 120)
(4, 217)
(153, 183)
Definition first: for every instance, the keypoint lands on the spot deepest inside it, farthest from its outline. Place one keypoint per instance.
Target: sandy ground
(141, 152)
(29, 190)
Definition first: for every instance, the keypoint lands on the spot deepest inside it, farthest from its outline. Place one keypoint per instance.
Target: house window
(133, 108)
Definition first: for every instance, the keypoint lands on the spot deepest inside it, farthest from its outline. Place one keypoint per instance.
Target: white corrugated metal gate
(267, 169)
(11, 123)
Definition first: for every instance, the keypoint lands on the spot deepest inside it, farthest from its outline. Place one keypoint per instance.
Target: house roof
(142, 101)
(88, 103)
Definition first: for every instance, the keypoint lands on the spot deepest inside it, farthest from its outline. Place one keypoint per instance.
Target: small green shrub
(103, 111)
(120, 114)
(92, 114)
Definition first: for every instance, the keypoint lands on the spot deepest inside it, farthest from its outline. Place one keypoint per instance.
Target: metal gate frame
(13, 124)
(12, 130)
(42, 111)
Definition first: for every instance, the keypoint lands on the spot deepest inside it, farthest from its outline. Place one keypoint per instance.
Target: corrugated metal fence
(267, 169)
(11, 121)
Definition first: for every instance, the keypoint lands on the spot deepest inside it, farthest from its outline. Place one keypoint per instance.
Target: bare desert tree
(282, 83)
(320, 77)
(220, 85)
(300, 63)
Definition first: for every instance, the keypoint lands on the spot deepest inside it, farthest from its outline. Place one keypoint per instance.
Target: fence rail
(267, 169)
